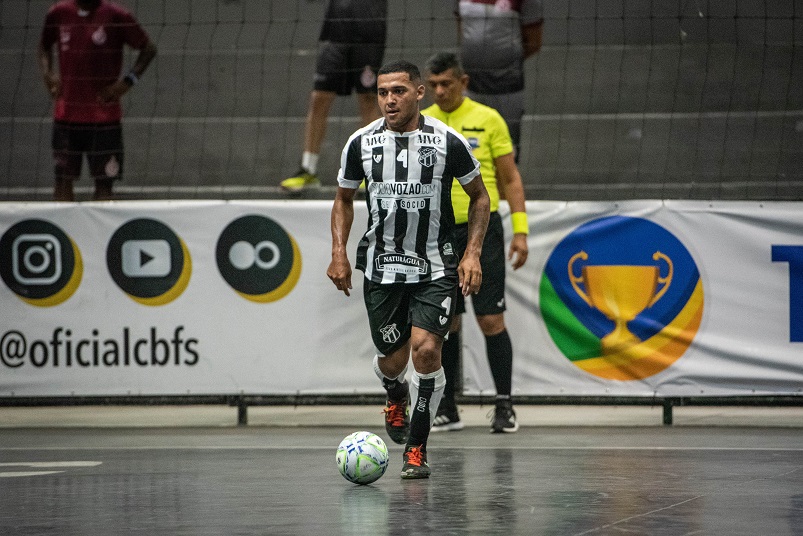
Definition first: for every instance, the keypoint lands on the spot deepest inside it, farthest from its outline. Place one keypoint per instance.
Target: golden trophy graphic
(621, 293)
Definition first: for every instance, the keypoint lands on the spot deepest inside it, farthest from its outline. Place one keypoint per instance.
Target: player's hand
(469, 272)
(518, 251)
(113, 92)
(339, 272)
(53, 85)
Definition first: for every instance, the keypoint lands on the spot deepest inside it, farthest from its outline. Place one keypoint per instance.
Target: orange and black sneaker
(415, 463)
(397, 420)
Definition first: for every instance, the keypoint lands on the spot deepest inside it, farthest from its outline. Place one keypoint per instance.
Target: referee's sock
(500, 359)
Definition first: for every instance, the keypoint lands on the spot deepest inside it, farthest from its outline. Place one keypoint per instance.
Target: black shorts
(342, 67)
(102, 143)
(394, 308)
(490, 300)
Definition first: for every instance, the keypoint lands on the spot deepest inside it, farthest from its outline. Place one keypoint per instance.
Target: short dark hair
(443, 61)
(402, 66)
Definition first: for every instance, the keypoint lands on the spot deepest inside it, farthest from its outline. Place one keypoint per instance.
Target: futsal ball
(362, 457)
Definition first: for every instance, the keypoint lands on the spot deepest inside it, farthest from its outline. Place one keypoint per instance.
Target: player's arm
(339, 270)
(532, 37)
(49, 76)
(120, 87)
(509, 178)
(479, 209)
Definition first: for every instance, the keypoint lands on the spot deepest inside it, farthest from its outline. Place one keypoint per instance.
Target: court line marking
(430, 447)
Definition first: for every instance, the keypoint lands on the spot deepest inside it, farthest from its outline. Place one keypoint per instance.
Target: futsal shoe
(397, 420)
(504, 418)
(415, 463)
(447, 420)
(301, 181)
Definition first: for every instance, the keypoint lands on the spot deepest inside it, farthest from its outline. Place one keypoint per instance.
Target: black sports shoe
(397, 420)
(415, 463)
(504, 419)
(447, 420)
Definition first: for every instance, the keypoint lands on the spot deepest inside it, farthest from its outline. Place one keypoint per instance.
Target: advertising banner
(646, 298)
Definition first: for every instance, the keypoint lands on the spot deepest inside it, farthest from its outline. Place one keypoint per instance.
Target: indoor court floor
(282, 480)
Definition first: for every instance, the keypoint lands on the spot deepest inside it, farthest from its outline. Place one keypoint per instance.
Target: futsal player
(408, 253)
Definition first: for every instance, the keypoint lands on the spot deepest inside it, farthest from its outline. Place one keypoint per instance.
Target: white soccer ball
(362, 457)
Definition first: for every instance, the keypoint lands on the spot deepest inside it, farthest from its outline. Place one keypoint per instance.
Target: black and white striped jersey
(409, 196)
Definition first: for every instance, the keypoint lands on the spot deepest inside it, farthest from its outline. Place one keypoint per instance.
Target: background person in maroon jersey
(90, 35)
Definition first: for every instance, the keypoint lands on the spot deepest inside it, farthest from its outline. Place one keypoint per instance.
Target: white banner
(168, 298)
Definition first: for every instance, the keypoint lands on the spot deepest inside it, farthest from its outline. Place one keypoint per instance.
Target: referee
(487, 133)
(408, 254)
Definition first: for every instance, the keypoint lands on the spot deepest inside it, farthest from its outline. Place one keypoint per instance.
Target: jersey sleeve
(351, 172)
(133, 33)
(50, 31)
(532, 12)
(500, 141)
(460, 163)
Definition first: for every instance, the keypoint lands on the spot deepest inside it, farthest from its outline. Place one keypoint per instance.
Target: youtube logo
(148, 261)
(145, 258)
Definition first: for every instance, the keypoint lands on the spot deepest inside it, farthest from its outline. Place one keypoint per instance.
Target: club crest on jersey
(390, 333)
(99, 36)
(427, 156)
(377, 158)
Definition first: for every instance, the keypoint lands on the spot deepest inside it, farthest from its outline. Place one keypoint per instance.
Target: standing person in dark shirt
(352, 45)
(90, 35)
(496, 36)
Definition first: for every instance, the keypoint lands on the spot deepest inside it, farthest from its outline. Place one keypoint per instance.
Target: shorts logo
(442, 319)
(42, 265)
(367, 77)
(622, 298)
(258, 259)
(112, 168)
(148, 261)
(390, 333)
(427, 156)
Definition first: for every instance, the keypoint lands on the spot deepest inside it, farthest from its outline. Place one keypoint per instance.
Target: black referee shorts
(395, 307)
(490, 299)
(342, 67)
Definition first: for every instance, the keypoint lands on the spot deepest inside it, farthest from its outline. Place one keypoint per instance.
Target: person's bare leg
(369, 109)
(320, 103)
(103, 190)
(63, 189)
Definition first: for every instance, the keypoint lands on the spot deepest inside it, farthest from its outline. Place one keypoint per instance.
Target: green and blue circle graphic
(621, 297)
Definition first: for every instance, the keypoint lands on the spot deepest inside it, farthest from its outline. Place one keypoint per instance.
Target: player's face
(398, 99)
(447, 89)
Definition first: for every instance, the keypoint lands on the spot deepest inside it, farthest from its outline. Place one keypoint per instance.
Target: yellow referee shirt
(489, 138)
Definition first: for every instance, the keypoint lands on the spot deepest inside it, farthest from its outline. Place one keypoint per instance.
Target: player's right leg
(68, 154)
(387, 307)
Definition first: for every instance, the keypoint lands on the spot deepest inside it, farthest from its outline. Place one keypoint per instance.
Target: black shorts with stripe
(490, 299)
(393, 309)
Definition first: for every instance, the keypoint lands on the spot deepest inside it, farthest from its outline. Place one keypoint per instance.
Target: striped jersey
(408, 192)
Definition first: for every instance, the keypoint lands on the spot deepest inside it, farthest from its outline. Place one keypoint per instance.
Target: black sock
(450, 360)
(397, 390)
(500, 358)
(419, 413)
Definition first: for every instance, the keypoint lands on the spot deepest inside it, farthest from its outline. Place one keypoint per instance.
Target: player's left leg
(106, 159)
(500, 359)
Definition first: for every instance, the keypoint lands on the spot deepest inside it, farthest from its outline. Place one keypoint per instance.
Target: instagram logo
(46, 266)
(36, 259)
